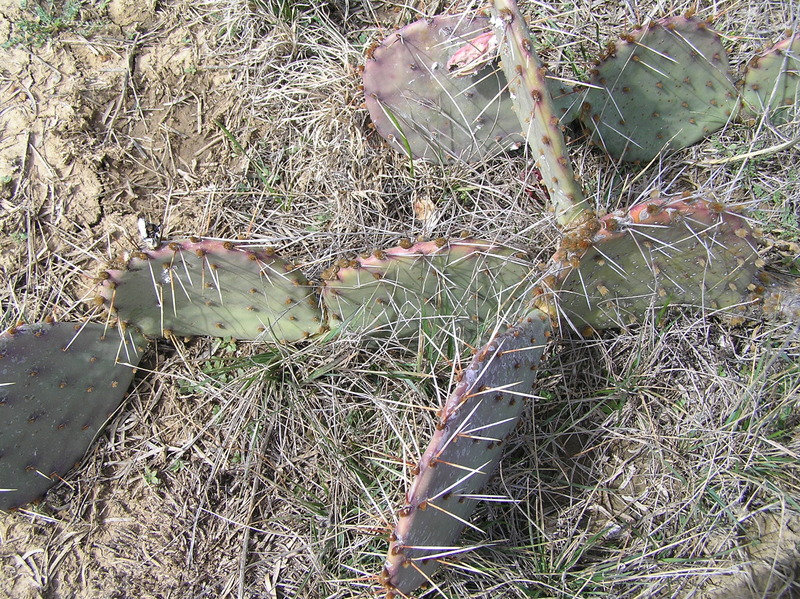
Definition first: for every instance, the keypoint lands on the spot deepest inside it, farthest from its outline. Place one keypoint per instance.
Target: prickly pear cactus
(665, 251)
(212, 288)
(442, 287)
(59, 384)
(772, 82)
(608, 272)
(434, 91)
(482, 410)
(663, 86)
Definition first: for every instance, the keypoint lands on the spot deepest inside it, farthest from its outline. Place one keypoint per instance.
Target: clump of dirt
(128, 13)
(769, 559)
(43, 127)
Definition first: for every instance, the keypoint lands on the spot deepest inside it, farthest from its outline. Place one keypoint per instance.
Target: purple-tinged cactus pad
(424, 110)
(772, 82)
(665, 251)
(425, 104)
(480, 413)
(665, 85)
(59, 384)
(213, 288)
(457, 287)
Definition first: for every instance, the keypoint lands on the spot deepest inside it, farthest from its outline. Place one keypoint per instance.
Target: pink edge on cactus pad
(466, 447)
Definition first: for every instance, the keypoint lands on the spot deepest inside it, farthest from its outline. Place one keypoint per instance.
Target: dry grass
(660, 461)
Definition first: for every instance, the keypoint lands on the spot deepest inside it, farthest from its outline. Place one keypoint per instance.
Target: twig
(754, 154)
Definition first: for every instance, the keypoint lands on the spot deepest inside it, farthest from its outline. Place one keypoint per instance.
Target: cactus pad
(213, 288)
(772, 80)
(466, 447)
(434, 91)
(421, 108)
(665, 251)
(59, 383)
(434, 285)
(537, 114)
(665, 85)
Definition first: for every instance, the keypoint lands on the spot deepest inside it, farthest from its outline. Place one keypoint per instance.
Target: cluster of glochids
(61, 381)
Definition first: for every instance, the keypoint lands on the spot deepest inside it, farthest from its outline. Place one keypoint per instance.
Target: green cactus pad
(537, 114)
(476, 419)
(423, 104)
(213, 288)
(457, 287)
(59, 384)
(665, 85)
(772, 82)
(662, 252)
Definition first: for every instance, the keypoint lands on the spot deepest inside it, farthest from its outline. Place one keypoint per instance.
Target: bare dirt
(102, 128)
